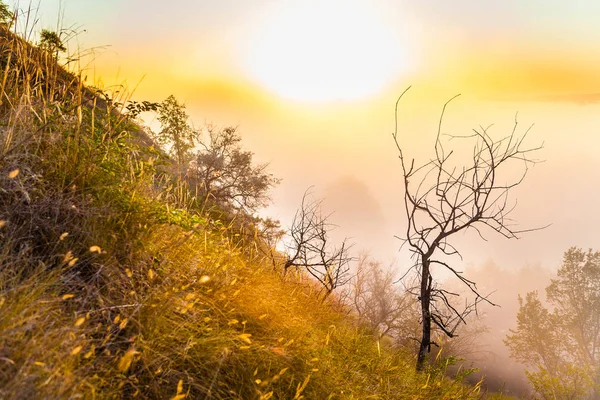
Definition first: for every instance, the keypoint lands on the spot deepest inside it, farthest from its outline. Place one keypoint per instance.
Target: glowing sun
(324, 50)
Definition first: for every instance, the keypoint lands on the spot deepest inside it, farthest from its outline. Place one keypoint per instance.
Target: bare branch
(443, 198)
(309, 247)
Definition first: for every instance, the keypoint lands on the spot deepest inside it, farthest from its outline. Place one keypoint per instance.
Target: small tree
(51, 42)
(309, 247)
(176, 135)
(442, 199)
(6, 16)
(222, 173)
(563, 344)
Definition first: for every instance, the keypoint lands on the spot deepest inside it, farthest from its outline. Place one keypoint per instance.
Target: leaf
(90, 353)
(67, 296)
(2, 223)
(68, 256)
(300, 388)
(204, 279)
(151, 274)
(128, 272)
(276, 377)
(95, 249)
(13, 174)
(80, 321)
(76, 350)
(73, 262)
(123, 324)
(64, 235)
(245, 337)
(426, 385)
(126, 360)
(180, 395)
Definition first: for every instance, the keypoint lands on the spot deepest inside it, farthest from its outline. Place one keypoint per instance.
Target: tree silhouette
(309, 247)
(176, 135)
(443, 198)
(223, 173)
(6, 16)
(51, 42)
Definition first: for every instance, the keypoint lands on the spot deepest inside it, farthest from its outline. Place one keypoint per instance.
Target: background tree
(379, 303)
(176, 135)
(443, 198)
(265, 234)
(308, 247)
(212, 162)
(6, 16)
(223, 173)
(563, 344)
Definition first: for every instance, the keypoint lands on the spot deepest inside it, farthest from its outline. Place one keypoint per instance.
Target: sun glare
(325, 50)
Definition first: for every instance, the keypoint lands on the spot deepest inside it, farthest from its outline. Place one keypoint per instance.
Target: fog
(354, 166)
(492, 357)
(360, 182)
(343, 151)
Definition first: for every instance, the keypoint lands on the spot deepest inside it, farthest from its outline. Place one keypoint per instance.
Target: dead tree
(443, 198)
(377, 302)
(309, 247)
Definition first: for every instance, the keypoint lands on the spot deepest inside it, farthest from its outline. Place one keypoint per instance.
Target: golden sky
(331, 50)
(312, 85)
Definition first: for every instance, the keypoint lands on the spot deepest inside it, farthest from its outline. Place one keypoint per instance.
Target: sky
(312, 87)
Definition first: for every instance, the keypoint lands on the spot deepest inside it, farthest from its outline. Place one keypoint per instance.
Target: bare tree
(378, 302)
(309, 247)
(443, 198)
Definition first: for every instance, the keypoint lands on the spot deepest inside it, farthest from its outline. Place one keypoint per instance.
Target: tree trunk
(425, 299)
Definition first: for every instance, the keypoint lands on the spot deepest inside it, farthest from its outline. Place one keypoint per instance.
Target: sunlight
(325, 51)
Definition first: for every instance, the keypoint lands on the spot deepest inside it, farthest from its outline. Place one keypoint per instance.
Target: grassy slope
(108, 290)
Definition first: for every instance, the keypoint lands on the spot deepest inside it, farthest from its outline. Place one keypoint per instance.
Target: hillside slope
(109, 290)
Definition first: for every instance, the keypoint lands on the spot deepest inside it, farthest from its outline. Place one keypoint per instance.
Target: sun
(324, 50)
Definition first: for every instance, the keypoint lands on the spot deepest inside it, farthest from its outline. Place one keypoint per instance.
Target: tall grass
(110, 289)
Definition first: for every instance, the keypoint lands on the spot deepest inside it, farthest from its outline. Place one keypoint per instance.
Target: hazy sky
(312, 86)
